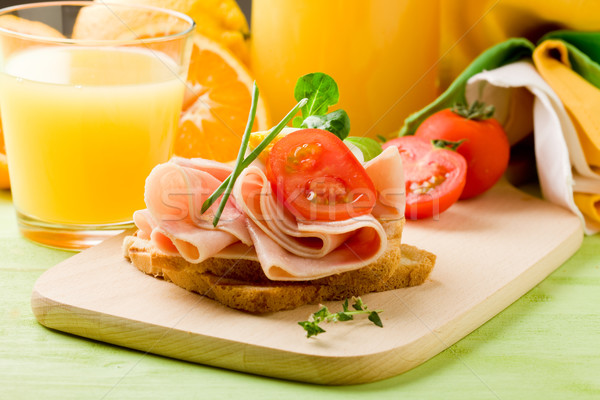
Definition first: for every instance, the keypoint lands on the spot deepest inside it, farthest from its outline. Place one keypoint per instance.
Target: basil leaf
(369, 147)
(336, 122)
(321, 91)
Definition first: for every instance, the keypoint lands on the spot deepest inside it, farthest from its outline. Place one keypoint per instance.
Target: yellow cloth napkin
(468, 27)
(582, 102)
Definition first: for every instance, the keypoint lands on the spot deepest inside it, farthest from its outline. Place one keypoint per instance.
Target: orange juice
(382, 53)
(81, 144)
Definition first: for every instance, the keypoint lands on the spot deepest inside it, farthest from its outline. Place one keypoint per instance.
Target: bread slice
(241, 284)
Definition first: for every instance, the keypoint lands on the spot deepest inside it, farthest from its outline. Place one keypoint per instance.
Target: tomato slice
(434, 177)
(317, 177)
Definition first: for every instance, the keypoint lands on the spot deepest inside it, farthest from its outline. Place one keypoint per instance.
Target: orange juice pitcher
(382, 53)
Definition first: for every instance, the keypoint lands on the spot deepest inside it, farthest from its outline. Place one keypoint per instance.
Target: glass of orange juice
(90, 96)
(382, 54)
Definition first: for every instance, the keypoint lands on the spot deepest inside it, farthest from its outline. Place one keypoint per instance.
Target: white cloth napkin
(562, 168)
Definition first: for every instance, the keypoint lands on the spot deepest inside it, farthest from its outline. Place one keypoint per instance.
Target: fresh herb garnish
(240, 157)
(322, 92)
(336, 122)
(369, 148)
(312, 328)
(240, 165)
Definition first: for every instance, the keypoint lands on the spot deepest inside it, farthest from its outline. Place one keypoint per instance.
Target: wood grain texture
(491, 250)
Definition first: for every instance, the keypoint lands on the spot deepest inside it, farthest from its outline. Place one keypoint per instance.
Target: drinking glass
(90, 96)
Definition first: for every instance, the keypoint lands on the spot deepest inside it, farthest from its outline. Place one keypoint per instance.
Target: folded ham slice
(387, 175)
(174, 194)
(288, 249)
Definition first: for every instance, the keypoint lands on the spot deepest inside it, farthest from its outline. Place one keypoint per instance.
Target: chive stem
(240, 157)
(227, 185)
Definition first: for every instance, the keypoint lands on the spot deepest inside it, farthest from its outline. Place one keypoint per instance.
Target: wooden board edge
(216, 352)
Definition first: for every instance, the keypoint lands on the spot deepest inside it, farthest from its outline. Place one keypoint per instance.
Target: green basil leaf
(336, 122)
(321, 91)
(369, 147)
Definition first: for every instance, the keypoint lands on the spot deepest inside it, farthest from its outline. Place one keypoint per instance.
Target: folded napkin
(552, 128)
(556, 98)
(581, 99)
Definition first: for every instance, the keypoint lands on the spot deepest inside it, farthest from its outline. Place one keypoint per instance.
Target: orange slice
(217, 104)
(219, 20)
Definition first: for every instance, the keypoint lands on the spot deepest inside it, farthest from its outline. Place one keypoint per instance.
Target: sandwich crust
(241, 284)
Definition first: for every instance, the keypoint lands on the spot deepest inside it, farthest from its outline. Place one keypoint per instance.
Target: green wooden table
(544, 346)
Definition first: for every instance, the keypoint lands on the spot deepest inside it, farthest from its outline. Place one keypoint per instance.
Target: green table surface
(546, 345)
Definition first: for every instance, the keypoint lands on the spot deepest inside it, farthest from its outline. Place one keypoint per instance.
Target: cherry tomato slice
(318, 178)
(434, 177)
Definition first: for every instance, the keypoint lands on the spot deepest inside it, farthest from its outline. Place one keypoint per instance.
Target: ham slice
(174, 194)
(365, 246)
(255, 225)
(387, 175)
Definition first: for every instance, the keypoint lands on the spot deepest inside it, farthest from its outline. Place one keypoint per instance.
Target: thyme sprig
(312, 327)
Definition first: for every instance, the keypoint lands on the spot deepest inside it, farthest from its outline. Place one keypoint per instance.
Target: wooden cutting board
(491, 250)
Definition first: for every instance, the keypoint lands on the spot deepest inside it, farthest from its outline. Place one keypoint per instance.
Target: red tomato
(434, 177)
(485, 146)
(318, 178)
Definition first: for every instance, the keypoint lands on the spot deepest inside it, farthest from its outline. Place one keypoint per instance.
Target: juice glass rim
(149, 40)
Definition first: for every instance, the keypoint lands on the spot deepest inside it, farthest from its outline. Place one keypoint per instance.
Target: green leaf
(345, 305)
(296, 122)
(321, 91)
(342, 316)
(374, 318)
(370, 148)
(311, 328)
(321, 314)
(336, 122)
(358, 304)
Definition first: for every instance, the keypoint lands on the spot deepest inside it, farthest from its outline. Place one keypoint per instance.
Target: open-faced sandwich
(308, 221)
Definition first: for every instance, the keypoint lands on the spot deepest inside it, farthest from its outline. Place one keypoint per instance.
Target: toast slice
(241, 284)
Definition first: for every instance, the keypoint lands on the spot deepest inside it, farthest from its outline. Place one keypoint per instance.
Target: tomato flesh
(318, 178)
(434, 177)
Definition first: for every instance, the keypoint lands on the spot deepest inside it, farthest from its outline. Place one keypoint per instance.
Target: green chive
(228, 183)
(240, 157)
